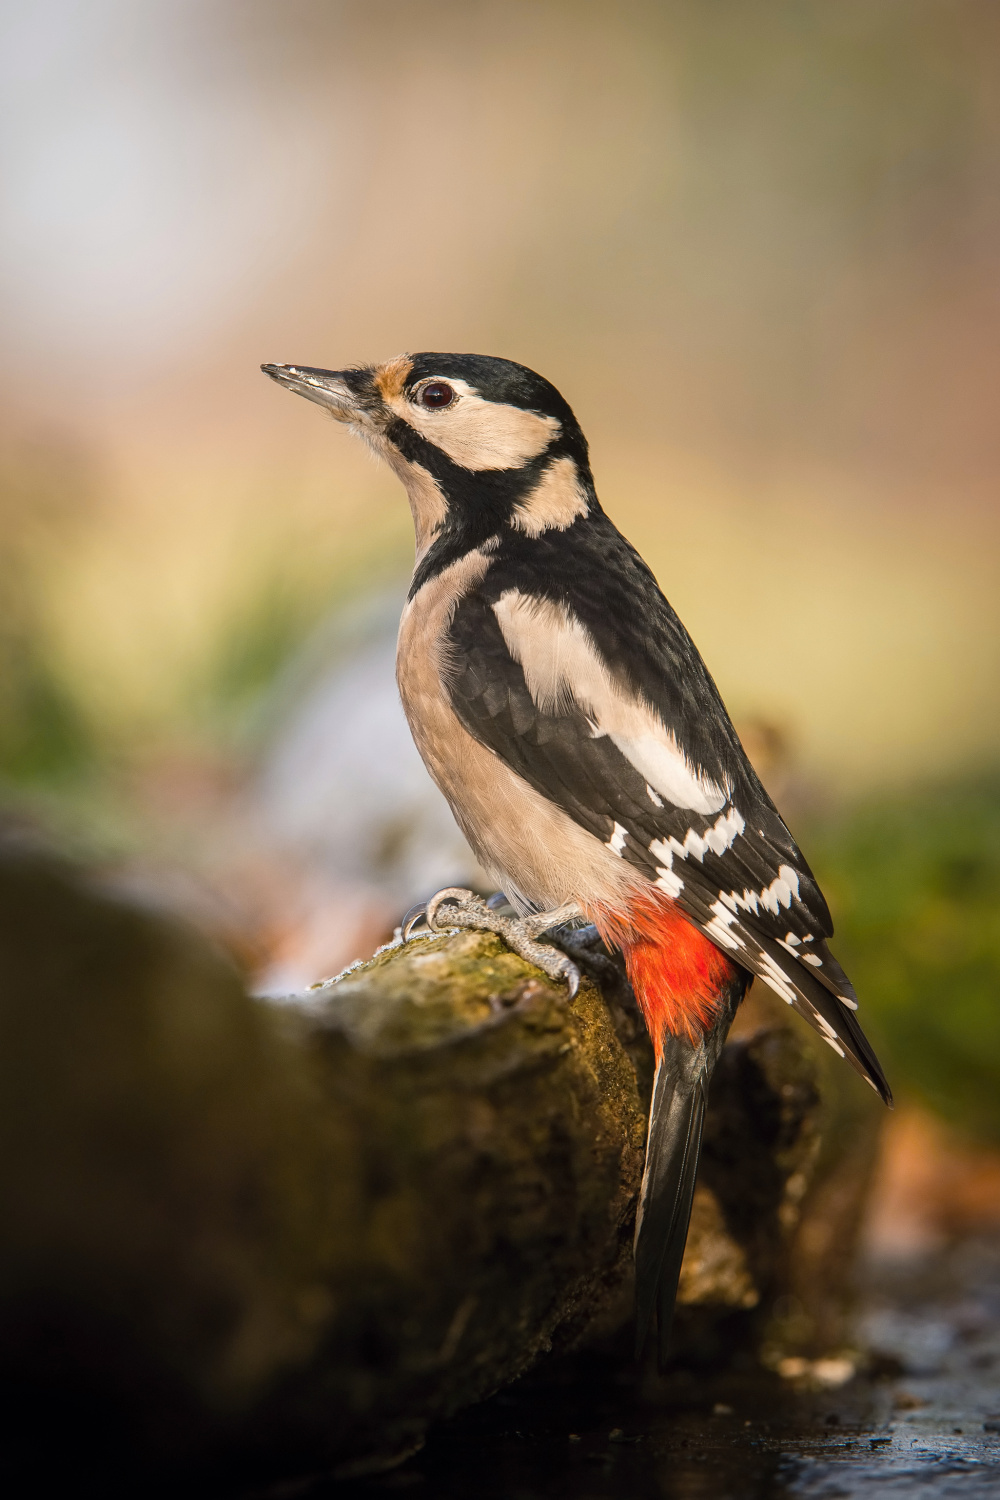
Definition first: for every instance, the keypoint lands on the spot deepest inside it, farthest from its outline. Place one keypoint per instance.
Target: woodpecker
(568, 718)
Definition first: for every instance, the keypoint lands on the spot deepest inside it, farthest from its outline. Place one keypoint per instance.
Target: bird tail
(688, 992)
(673, 1147)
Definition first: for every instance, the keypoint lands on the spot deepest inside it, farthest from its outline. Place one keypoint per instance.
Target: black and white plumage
(567, 716)
(726, 858)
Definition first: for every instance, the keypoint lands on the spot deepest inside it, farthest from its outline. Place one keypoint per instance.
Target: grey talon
(456, 893)
(568, 970)
(471, 912)
(413, 916)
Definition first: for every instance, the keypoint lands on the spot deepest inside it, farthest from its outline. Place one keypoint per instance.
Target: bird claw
(413, 918)
(467, 911)
(464, 901)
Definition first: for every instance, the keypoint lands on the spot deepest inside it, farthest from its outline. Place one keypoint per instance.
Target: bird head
(479, 443)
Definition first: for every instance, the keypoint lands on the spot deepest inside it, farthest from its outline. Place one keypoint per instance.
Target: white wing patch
(616, 843)
(657, 756)
(726, 929)
(561, 664)
(772, 898)
(828, 1034)
(720, 928)
(718, 838)
(774, 978)
(668, 881)
(723, 833)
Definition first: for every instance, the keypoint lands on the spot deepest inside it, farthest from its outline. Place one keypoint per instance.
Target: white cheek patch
(479, 434)
(555, 503)
(561, 665)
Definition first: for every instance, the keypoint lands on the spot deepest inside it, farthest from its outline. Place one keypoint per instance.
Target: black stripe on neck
(480, 502)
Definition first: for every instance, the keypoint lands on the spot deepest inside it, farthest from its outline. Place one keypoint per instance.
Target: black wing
(736, 871)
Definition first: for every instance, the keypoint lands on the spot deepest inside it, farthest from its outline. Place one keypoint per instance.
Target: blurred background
(758, 249)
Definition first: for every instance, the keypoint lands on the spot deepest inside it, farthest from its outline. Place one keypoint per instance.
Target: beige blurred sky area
(755, 245)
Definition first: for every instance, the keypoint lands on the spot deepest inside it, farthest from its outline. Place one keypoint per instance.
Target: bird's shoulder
(591, 575)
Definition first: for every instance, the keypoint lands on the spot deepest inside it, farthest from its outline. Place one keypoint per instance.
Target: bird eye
(437, 394)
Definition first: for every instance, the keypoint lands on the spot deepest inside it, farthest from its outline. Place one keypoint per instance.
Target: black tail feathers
(676, 1118)
(673, 1148)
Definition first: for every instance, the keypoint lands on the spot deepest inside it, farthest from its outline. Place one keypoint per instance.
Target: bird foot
(456, 907)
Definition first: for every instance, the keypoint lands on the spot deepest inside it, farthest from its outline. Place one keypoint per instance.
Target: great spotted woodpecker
(566, 715)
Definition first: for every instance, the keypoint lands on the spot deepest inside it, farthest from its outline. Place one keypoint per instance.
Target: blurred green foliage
(47, 490)
(914, 882)
(42, 732)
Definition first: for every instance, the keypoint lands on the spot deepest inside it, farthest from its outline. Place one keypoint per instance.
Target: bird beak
(333, 389)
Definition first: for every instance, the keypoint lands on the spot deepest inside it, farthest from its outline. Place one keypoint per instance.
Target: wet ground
(924, 1421)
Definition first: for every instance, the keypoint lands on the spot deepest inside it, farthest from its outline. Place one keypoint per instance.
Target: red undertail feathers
(677, 974)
